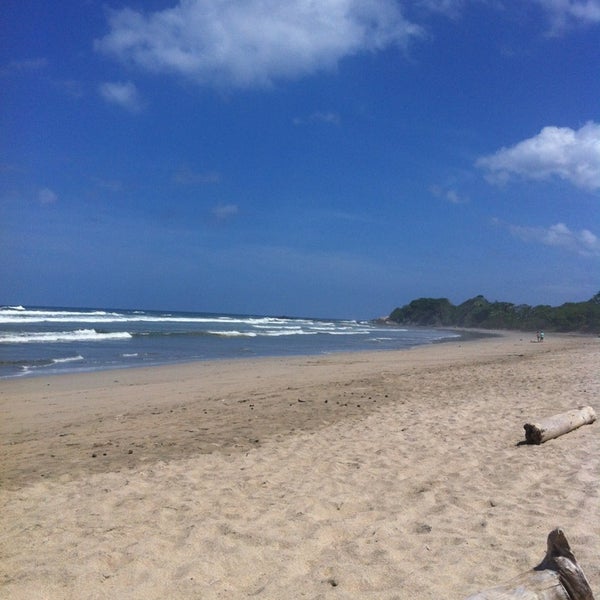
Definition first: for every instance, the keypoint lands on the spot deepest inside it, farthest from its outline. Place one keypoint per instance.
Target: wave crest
(48, 337)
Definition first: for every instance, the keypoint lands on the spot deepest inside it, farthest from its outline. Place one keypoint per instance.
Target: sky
(330, 158)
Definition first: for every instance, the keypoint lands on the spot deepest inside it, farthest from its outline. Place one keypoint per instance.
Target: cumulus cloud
(123, 94)
(573, 155)
(255, 42)
(582, 242)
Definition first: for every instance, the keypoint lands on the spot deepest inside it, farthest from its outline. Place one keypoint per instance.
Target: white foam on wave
(68, 359)
(342, 332)
(19, 314)
(282, 327)
(285, 332)
(272, 326)
(220, 325)
(234, 333)
(24, 316)
(282, 332)
(79, 335)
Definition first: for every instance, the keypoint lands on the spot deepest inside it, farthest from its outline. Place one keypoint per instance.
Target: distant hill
(479, 313)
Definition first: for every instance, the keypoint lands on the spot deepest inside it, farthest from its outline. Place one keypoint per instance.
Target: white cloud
(566, 12)
(573, 155)
(124, 94)
(560, 12)
(240, 44)
(582, 242)
(47, 196)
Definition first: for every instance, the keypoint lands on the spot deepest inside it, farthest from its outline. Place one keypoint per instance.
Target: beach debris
(557, 577)
(552, 427)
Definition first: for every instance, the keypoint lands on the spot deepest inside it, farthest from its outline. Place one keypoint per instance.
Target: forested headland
(480, 313)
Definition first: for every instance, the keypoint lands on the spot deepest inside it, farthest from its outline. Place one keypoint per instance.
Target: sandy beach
(390, 475)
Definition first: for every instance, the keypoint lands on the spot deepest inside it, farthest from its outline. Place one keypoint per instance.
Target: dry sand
(375, 476)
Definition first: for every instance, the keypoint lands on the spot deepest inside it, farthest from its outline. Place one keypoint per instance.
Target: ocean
(42, 341)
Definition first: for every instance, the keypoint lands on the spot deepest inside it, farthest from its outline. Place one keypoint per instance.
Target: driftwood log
(552, 427)
(557, 577)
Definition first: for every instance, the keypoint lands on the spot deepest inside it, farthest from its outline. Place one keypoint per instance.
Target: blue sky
(335, 158)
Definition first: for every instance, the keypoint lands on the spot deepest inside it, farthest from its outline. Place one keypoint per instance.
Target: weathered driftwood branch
(557, 577)
(552, 427)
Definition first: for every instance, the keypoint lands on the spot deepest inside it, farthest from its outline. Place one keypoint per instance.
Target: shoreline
(463, 335)
(39, 342)
(392, 473)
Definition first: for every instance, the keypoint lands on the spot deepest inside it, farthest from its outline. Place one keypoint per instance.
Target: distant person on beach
(537, 335)
(541, 336)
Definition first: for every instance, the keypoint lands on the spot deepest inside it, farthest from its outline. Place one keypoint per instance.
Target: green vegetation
(480, 313)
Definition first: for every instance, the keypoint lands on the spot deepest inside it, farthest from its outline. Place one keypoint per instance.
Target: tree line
(480, 313)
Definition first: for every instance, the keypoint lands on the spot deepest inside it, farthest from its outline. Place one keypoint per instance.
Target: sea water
(41, 341)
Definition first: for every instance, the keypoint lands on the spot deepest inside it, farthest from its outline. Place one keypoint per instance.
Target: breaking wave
(49, 337)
